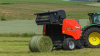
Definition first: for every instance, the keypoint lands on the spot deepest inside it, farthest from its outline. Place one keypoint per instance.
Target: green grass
(20, 26)
(26, 9)
(48, 1)
(94, 4)
(26, 26)
(19, 34)
(18, 46)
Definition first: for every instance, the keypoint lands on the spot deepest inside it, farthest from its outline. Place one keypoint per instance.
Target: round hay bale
(31, 45)
(40, 44)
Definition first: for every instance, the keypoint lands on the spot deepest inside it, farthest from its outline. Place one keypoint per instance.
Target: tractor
(91, 33)
(58, 32)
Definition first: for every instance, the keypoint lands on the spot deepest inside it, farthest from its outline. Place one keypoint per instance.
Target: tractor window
(97, 19)
(90, 18)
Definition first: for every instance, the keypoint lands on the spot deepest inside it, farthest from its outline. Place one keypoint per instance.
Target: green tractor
(91, 32)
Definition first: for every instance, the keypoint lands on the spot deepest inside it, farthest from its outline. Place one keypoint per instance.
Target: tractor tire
(91, 37)
(40, 44)
(69, 44)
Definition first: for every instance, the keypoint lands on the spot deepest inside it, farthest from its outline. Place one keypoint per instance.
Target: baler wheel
(69, 44)
(40, 44)
(91, 37)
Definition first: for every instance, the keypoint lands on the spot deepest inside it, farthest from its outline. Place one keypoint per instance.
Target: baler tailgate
(50, 17)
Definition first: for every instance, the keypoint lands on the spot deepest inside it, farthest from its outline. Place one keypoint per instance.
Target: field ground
(26, 26)
(20, 26)
(25, 10)
(94, 4)
(18, 46)
(23, 14)
(48, 1)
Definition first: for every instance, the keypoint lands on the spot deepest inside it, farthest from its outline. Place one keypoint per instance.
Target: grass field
(18, 46)
(26, 9)
(20, 26)
(49, 1)
(95, 4)
(23, 14)
(26, 26)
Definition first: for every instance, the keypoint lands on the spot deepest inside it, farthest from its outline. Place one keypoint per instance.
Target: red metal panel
(44, 29)
(71, 27)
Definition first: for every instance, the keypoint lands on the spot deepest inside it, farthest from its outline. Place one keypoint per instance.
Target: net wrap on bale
(40, 44)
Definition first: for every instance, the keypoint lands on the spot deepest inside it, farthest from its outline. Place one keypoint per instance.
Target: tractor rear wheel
(91, 37)
(40, 44)
(69, 44)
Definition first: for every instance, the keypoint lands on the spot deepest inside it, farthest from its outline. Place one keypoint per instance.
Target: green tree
(98, 0)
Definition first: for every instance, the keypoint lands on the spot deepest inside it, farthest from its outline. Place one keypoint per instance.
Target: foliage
(3, 18)
(98, 0)
(18, 34)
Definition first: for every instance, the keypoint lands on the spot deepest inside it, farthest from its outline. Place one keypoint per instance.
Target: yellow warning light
(63, 31)
(43, 32)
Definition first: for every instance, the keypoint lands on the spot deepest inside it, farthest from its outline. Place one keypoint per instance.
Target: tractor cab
(94, 18)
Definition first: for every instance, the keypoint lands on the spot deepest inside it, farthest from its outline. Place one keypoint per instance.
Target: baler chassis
(52, 22)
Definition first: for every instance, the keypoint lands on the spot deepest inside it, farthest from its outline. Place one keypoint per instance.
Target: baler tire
(40, 44)
(69, 44)
(91, 37)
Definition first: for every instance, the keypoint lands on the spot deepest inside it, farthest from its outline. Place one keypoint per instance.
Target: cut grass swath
(40, 44)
